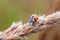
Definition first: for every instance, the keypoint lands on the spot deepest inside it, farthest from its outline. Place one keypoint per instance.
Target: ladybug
(33, 18)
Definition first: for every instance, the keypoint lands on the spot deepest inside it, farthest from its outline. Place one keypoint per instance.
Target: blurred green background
(16, 10)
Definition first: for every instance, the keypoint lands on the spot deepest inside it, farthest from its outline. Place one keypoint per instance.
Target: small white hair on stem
(42, 17)
(1, 32)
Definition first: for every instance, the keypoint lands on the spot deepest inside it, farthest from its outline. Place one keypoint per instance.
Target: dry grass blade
(18, 30)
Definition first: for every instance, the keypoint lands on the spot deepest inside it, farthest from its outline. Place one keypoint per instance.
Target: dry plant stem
(27, 30)
(49, 21)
